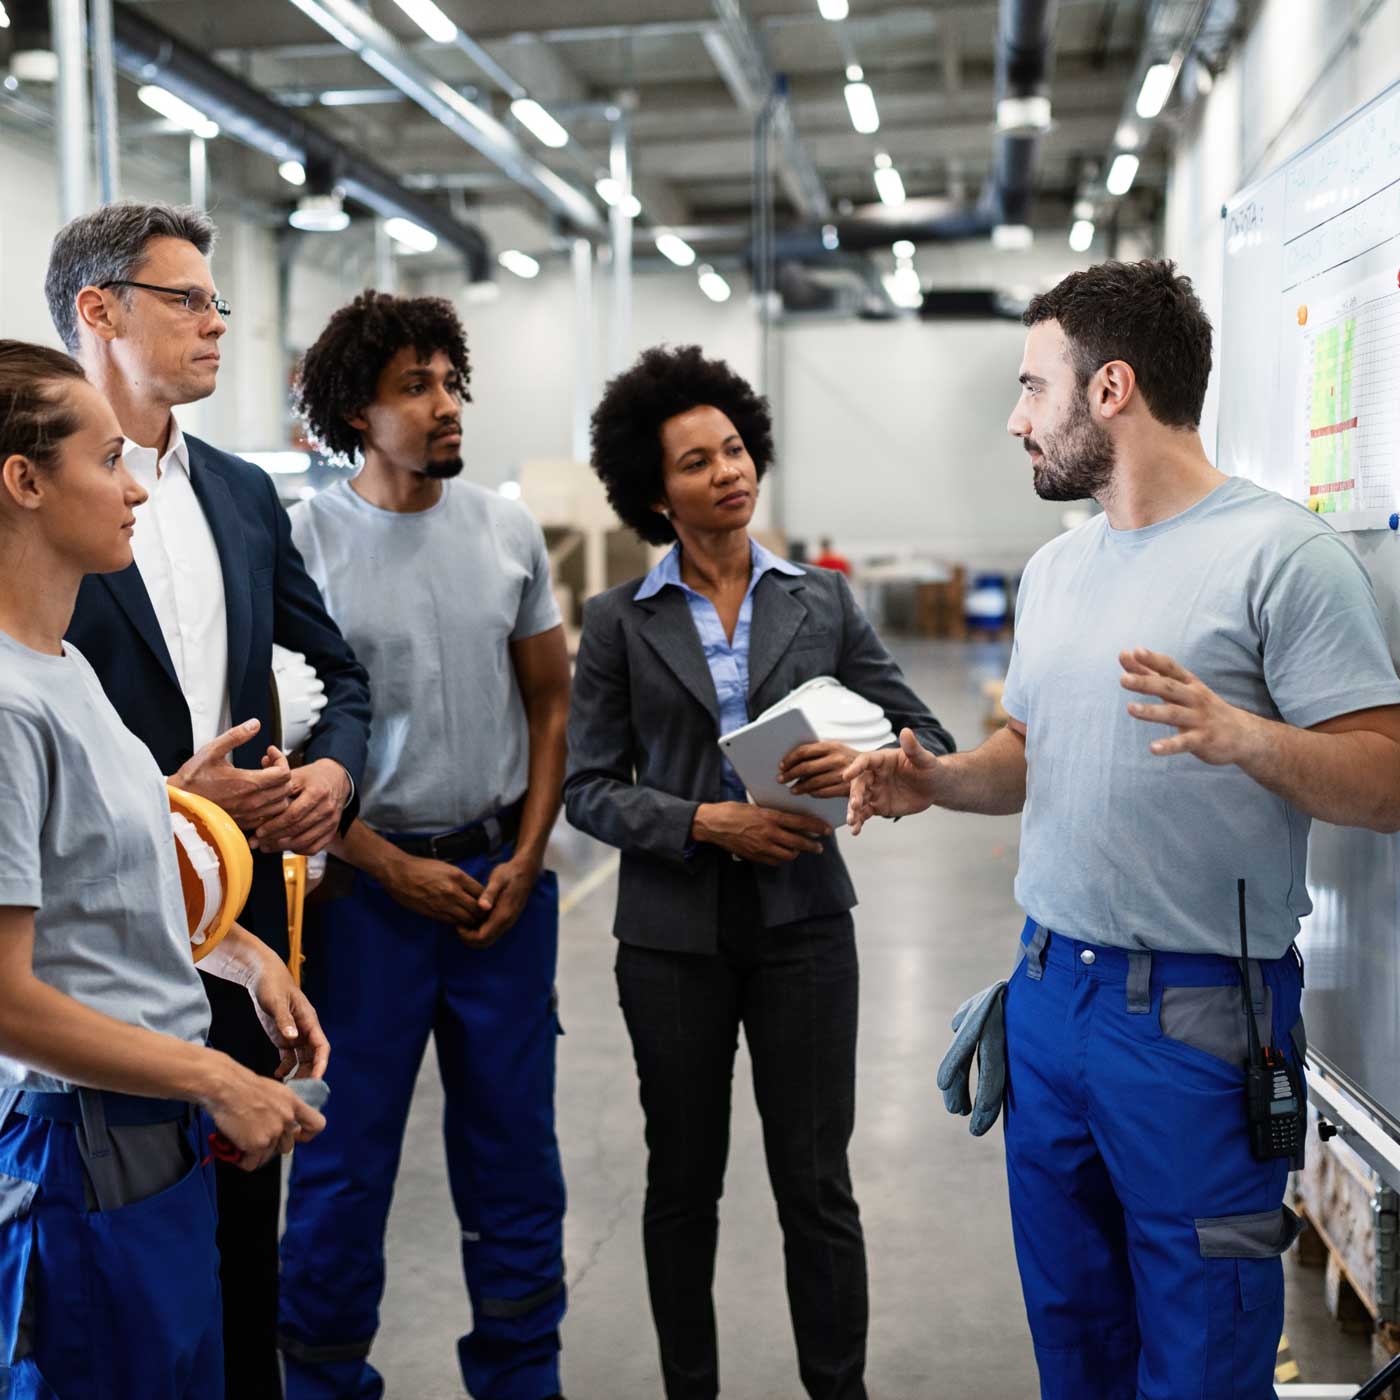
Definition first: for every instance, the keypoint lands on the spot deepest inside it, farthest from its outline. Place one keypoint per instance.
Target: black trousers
(249, 1203)
(794, 990)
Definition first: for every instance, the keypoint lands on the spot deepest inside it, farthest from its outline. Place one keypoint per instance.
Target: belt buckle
(433, 848)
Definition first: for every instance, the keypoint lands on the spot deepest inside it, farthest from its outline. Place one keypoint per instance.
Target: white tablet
(757, 749)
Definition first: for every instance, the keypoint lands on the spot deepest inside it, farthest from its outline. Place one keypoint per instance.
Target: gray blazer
(643, 750)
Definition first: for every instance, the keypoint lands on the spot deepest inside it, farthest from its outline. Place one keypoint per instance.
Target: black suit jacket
(643, 750)
(269, 598)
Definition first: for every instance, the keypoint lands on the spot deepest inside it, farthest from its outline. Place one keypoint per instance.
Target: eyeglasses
(195, 299)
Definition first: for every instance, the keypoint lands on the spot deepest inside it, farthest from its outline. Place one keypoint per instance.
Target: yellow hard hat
(216, 867)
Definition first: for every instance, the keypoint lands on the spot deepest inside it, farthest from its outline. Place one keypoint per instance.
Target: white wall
(1304, 66)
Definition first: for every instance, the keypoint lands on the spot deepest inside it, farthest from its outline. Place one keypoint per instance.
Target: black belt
(483, 838)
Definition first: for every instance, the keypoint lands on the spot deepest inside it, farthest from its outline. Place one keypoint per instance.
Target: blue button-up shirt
(728, 661)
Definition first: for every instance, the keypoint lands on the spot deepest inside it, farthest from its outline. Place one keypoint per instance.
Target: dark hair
(339, 375)
(109, 245)
(627, 427)
(1145, 313)
(35, 414)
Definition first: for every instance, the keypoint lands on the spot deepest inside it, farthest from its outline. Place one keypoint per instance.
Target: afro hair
(339, 375)
(627, 427)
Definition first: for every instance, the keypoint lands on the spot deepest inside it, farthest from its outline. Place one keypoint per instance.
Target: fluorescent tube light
(279, 463)
(903, 249)
(860, 103)
(887, 181)
(1157, 85)
(904, 287)
(1081, 235)
(293, 172)
(318, 13)
(175, 109)
(674, 247)
(1084, 209)
(831, 237)
(412, 237)
(1122, 173)
(538, 122)
(1127, 137)
(522, 264)
(834, 9)
(610, 193)
(713, 285)
(429, 19)
(4, 18)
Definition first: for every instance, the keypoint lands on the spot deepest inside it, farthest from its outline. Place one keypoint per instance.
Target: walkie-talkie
(1273, 1085)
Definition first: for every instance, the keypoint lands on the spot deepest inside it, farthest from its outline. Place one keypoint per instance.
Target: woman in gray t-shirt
(108, 1268)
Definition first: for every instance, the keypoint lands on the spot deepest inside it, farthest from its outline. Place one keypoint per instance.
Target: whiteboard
(1310, 407)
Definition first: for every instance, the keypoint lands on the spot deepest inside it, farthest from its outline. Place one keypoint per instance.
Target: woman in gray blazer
(728, 914)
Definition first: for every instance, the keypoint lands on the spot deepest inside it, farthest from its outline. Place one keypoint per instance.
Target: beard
(444, 470)
(1077, 460)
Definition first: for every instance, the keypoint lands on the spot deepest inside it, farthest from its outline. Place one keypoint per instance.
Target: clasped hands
(279, 807)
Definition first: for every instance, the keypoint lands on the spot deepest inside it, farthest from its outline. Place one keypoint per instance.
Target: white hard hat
(838, 714)
(298, 697)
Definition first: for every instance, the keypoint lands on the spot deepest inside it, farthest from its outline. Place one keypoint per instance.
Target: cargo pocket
(1211, 1020)
(19, 1375)
(1253, 1243)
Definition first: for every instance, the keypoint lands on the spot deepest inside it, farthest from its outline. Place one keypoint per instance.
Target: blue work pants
(1148, 1236)
(382, 979)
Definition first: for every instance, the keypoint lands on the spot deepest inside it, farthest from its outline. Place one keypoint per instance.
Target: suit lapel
(129, 589)
(216, 502)
(778, 614)
(671, 634)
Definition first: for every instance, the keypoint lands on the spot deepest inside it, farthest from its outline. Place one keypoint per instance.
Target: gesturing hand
(891, 782)
(250, 796)
(1207, 726)
(759, 834)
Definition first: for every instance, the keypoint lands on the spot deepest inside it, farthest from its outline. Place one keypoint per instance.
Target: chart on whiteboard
(1348, 432)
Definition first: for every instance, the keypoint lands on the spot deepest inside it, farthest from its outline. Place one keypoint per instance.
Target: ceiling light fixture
(429, 19)
(411, 237)
(319, 213)
(1122, 173)
(609, 191)
(522, 264)
(887, 181)
(538, 122)
(1081, 235)
(713, 285)
(1024, 113)
(1157, 84)
(176, 110)
(860, 102)
(904, 248)
(674, 247)
(293, 172)
(834, 9)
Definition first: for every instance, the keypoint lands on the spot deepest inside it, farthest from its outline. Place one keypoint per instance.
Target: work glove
(980, 1024)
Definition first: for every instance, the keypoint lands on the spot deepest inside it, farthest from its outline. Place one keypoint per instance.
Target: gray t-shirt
(430, 600)
(86, 837)
(1261, 600)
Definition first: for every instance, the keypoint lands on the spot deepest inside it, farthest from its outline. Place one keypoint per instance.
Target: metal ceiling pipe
(150, 54)
(71, 105)
(1025, 48)
(104, 101)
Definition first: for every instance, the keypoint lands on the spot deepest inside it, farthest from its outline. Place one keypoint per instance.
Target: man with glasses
(182, 643)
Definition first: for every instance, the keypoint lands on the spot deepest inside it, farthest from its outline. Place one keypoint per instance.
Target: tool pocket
(19, 1375)
(1211, 1020)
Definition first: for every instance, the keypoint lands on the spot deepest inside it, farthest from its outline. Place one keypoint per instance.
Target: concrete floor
(936, 922)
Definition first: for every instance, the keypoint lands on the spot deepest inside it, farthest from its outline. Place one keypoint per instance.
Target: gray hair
(109, 245)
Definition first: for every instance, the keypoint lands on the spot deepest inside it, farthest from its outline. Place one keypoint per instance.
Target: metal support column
(104, 102)
(386, 277)
(199, 172)
(71, 100)
(620, 321)
(582, 261)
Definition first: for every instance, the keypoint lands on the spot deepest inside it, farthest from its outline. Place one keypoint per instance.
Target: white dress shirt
(179, 564)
